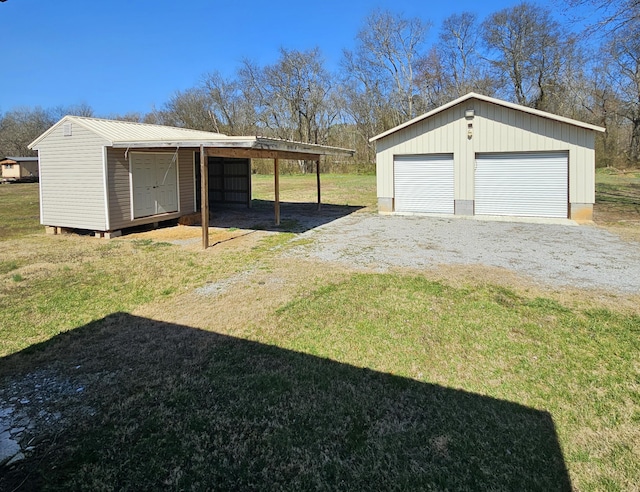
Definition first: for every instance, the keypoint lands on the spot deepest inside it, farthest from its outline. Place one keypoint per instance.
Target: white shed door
(424, 183)
(154, 180)
(527, 185)
(143, 175)
(166, 184)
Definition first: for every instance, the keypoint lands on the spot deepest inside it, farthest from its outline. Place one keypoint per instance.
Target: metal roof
(128, 131)
(500, 102)
(19, 159)
(126, 134)
(242, 143)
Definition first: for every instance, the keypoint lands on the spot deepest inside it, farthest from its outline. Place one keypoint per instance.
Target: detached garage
(483, 156)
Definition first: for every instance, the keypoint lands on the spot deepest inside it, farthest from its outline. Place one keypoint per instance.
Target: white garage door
(528, 185)
(424, 183)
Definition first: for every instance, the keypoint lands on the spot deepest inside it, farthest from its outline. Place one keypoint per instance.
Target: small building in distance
(19, 169)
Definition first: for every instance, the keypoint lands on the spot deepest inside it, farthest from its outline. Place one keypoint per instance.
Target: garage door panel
(530, 185)
(424, 184)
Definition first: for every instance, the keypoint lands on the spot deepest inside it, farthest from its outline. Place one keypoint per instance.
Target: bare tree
(433, 80)
(82, 109)
(232, 111)
(454, 66)
(458, 48)
(529, 52)
(623, 69)
(21, 126)
(388, 47)
(369, 111)
(293, 98)
(380, 84)
(132, 116)
(610, 15)
(189, 109)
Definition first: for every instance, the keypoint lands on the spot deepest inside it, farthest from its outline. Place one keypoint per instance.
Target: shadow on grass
(294, 216)
(168, 406)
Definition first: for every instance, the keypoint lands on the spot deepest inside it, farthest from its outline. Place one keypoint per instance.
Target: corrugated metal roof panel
(125, 134)
(116, 131)
(127, 131)
(21, 159)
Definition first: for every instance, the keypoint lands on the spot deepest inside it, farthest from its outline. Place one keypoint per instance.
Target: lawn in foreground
(49, 285)
(387, 382)
(379, 381)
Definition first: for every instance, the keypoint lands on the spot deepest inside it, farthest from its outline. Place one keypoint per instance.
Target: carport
(246, 148)
(261, 148)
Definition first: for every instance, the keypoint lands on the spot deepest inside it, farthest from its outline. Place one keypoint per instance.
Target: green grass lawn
(619, 194)
(19, 210)
(352, 382)
(337, 189)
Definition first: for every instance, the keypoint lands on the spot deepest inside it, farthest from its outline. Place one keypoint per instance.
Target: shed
(479, 155)
(17, 169)
(107, 175)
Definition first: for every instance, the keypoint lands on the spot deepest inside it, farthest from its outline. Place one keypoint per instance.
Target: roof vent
(66, 129)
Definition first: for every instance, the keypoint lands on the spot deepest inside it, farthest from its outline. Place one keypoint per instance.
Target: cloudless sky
(122, 56)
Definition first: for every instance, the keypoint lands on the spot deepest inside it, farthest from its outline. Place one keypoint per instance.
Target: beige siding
(71, 180)
(495, 129)
(120, 192)
(11, 171)
(186, 181)
(19, 170)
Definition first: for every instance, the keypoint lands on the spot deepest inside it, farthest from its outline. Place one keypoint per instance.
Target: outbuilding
(479, 155)
(19, 169)
(107, 175)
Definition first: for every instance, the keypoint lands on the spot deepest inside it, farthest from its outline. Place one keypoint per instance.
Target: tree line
(524, 54)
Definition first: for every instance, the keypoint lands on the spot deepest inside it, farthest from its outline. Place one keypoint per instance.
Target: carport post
(276, 174)
(204, 197)
(318, 181)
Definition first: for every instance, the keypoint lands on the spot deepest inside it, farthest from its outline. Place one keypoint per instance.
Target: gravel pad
(559, 255)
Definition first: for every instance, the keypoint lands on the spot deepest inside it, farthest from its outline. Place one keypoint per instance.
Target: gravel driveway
(559, 255)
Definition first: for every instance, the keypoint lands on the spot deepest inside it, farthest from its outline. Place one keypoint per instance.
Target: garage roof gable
(500, 102)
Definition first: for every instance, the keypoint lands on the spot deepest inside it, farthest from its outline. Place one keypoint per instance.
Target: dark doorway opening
(229, 180)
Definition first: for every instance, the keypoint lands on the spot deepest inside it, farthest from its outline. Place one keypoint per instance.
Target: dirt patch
(612, 213)
(621, 220)
(173, 233)
(191, 237)
(241, 303)
(461, 276)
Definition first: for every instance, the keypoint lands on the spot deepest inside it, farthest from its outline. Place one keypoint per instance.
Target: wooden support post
(276, 174)
(204, 197)
(318, 182)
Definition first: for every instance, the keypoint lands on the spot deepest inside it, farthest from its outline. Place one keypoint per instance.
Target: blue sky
(129, 55)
